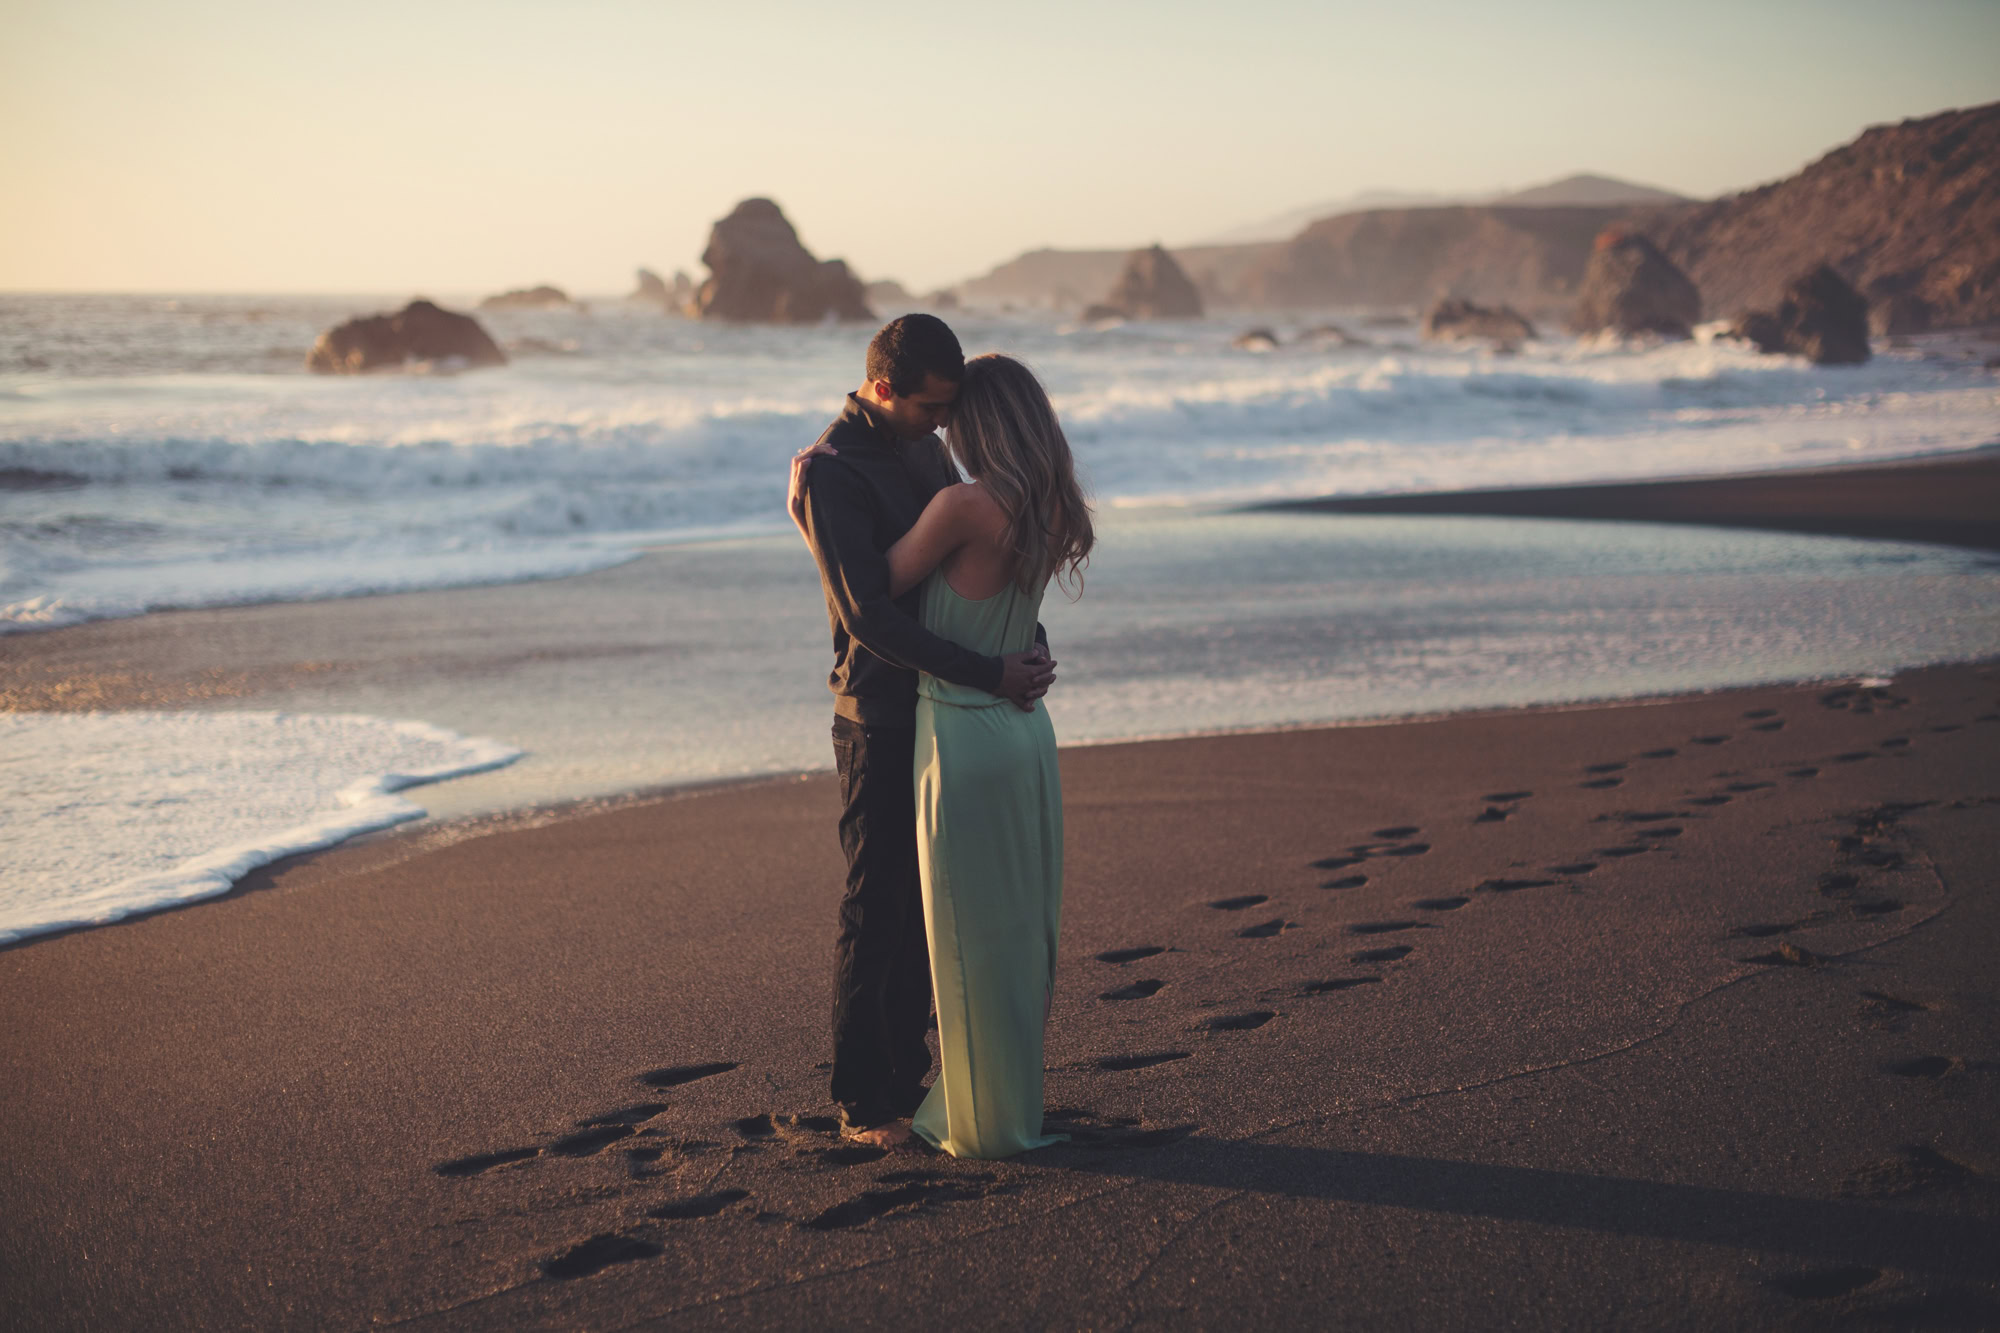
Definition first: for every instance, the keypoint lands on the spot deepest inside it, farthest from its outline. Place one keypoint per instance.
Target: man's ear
(884, 391)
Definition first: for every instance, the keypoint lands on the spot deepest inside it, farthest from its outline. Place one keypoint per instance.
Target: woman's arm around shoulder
(957, 516)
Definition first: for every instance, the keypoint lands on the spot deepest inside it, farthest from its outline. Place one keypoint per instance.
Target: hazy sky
(461, 147)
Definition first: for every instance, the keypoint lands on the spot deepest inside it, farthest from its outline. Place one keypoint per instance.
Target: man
(884, 465)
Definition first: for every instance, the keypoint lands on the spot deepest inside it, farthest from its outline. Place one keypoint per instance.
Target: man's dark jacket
(858, 503)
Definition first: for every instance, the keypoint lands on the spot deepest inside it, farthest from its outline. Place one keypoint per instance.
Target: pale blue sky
(459, 147)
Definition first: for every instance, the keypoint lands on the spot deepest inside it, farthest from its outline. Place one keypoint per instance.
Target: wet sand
(1653, 1015)
(1954, 500)
(1663, 1014)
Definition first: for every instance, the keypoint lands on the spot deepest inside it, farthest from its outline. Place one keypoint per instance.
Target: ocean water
(159, 453)
(109, 815)
(164, 453)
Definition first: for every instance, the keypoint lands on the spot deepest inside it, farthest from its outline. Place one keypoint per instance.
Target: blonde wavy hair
(1004, 433)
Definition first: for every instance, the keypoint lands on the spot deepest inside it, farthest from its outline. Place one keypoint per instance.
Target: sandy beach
(1663, 1014)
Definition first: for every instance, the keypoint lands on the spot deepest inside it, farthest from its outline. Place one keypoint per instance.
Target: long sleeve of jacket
(856, 579)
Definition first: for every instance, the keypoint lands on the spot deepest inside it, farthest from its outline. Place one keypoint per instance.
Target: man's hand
(1027, 677)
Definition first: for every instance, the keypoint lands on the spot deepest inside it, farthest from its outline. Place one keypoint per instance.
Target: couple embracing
(951, 814)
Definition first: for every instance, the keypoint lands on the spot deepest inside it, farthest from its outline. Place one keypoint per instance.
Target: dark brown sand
(1953, 500)
(1552, 1056)
(1660, 1015)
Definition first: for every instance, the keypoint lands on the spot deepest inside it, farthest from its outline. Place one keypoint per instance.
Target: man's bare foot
(895, 1136)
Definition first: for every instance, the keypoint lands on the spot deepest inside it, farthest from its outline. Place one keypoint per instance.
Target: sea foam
(138, 482)
(114, 814)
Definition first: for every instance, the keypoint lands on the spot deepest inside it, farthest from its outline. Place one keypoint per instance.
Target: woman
(989, 800)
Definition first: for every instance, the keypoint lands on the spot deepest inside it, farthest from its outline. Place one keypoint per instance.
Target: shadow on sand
(1824, 1230)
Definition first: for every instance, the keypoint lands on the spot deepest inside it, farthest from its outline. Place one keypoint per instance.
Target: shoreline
(427, 833)
(1950, 499)
(382, 656)
(1513, 984)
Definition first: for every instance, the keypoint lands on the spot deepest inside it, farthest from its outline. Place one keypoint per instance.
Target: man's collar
(862, 413)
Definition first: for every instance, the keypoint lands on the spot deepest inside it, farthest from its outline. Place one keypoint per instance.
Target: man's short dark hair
(905, 350)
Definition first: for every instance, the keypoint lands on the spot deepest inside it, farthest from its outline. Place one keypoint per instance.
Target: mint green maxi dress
(989, 847)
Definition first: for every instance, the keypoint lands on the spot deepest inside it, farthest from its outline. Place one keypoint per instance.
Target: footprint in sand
(1337, 862)
(472, 1166)
(1382, 927)
(1129, 955)
(1407, 849)
(1707, 740)
(626, 1115)
(1666, 752)
(675, 1075)
(599, 1253)
(1238, 904)
(1641, 816)
(1345, 882)
(1387, 954)
(1945, 728)
(761, 1126)
(588, 1142)
(1669, 832)
(1510, 885)
(1629, 849)
(1492, 814)
(1333, 984)
(1895, 743)
(1601, 784)
(1613, 767)
(1740, 787)
(1778, 725)
(1574, 868)
(1853, 757)
(1756, 713)
(1120, 1063)
(1506, 797)
(1928, 1066)
(1244, 1022)
(1440, 904)
(1393, 834)
(1138, 990)
(1807, 772)
(1265, 930)
(1711, 800)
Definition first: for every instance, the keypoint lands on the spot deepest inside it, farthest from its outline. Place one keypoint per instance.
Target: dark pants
(882, 964)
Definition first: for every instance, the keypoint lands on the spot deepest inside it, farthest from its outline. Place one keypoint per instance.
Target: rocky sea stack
(530, 298)
(1821, 318)
(419, 332)
(1631, 288)
(760, 274)
(1153, 286)
(1454, 320)
(653, 290)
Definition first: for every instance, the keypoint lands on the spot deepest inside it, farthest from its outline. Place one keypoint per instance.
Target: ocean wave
(119, 495)
(157, 809)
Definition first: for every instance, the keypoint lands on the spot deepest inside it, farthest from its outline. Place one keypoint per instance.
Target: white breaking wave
(122, 493)
(114, 814)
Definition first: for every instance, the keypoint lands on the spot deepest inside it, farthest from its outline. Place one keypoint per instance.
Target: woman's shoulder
(974, 505)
